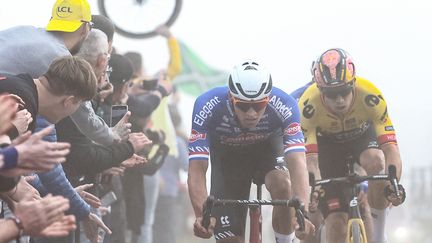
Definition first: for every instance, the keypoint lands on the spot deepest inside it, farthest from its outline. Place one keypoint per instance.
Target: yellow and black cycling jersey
(368, 108)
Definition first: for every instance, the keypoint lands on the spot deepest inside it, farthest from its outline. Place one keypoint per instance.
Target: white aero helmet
(250, 81)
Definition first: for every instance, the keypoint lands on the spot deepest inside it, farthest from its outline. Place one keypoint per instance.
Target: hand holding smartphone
(108, 199)
(117, 113)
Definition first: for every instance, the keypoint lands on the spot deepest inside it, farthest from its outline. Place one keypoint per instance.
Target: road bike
(254, 205)
(138, 19)
(356, 232)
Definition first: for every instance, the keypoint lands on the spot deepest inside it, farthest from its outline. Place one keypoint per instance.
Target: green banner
(196, 76)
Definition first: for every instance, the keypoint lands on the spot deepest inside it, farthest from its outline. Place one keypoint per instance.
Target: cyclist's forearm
(299, 176)
(392, 157)
(313, 166)
(197, 184)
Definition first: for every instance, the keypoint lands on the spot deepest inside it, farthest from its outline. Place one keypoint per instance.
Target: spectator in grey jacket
(96, 51)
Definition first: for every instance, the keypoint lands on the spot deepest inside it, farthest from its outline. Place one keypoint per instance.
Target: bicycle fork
(356, 229)
(255, 217)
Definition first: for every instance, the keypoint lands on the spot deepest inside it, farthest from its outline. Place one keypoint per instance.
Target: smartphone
(108, 199)
(117, 113)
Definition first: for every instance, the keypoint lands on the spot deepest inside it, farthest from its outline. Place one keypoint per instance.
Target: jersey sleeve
(308, 115)
(377, 108)
(293, 137)
(199, 144)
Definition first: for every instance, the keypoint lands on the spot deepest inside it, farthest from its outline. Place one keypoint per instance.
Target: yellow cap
(69, 15)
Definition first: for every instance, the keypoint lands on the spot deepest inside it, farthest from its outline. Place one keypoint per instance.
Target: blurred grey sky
(390, 41)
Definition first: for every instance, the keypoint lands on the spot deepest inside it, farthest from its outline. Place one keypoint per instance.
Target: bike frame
(354, 218)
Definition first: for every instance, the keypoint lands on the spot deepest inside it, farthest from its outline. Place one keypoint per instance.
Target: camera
(157, 137)
(149, 84)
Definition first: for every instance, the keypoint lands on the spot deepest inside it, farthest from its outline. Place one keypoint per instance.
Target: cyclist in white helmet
(243, 128)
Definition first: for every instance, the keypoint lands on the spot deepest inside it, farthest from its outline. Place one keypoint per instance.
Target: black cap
(135, 58)
(104, 24)
(122, 69)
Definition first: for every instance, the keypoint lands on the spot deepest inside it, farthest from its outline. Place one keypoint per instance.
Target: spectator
(122, 70)
(8, 108)
(58, 92)
(43, 217)
(61, 98)
(29, 153)
(87, 158)
(62, 37)
(96, 51)
(141, 106)
(160, 121)
(105, 25)
(54, 95)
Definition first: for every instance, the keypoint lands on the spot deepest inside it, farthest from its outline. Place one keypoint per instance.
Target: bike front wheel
(356, 233)
(139, 18)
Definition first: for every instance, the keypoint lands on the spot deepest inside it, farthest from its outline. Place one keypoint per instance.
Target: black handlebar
(211, 202)
(351, 179)
(299, 212)
(354, 179)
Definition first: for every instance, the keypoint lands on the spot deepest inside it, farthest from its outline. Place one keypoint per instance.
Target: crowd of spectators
(66, 173)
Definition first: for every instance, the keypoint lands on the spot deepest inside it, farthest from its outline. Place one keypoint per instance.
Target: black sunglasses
(333, 94)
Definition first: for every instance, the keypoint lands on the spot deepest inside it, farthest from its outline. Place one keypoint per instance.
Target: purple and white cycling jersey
(214, 120)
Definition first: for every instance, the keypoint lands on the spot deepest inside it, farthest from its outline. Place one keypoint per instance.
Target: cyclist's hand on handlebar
(392, 197)
(202, 232)
(309, 229)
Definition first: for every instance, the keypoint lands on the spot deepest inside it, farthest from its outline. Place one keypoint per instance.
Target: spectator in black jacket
(142, 102)
(88, 158)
